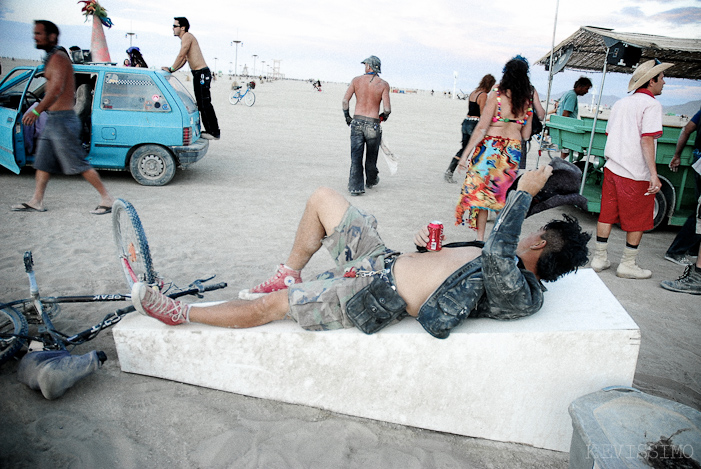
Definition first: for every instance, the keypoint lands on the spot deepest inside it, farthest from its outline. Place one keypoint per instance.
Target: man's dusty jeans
(366, 134)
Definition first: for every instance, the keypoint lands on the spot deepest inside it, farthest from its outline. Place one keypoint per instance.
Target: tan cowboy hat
(645, 72)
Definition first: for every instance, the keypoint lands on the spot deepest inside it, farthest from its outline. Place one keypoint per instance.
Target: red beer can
(435, 235)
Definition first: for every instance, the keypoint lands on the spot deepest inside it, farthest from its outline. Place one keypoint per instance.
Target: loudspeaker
(623, 55)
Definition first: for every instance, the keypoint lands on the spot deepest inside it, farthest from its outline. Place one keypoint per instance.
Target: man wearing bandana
(366, 134)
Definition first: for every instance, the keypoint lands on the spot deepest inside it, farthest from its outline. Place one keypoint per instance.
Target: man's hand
(165, 69)
(384, 116)
(421, 237)
(533, 181)
(655, 185)
(674, 164)
(349, 119)
(29, 118)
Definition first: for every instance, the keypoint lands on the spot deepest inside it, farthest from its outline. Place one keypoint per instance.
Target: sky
(421, 46)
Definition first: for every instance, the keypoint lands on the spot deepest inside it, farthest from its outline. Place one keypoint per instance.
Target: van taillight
(187, 136)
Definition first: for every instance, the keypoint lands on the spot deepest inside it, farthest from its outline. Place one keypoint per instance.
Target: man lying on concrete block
(372, 286)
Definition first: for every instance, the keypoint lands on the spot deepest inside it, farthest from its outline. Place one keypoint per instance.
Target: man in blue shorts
(439, 288)
(59, 149)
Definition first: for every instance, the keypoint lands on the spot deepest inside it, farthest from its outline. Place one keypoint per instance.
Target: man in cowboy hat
(369, 90)
(630, 175)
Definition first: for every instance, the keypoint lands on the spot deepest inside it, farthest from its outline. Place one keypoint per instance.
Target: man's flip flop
(26, 208)
(101, 210)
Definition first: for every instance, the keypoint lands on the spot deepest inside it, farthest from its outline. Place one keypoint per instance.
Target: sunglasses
(177, 26)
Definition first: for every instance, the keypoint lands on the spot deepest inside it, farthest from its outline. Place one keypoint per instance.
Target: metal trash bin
(621, 427)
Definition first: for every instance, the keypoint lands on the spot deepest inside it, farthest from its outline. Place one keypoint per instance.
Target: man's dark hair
(515, 79)
(565, 251)
(583, 81)
(183, 22)
(49, 27)
(655, 79)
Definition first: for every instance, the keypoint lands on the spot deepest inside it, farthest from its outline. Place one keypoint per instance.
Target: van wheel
(152, 165)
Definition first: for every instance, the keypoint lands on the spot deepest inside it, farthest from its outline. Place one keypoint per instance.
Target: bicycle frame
(51, 338)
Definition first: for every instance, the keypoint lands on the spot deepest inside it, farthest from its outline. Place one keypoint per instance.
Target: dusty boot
(448, 176)
(628, 268)
(600, 261)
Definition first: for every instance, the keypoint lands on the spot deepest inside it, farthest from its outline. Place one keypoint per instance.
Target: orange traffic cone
(98, 44)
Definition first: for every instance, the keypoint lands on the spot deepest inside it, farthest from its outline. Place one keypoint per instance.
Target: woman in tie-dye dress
(494, 151)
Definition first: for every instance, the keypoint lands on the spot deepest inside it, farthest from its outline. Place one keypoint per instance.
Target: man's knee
(329, 205)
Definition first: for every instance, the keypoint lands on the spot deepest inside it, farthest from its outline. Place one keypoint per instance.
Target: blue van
(134, 119)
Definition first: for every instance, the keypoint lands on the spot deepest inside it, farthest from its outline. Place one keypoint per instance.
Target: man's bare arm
(56, 74)
(385, 103)
(681, 142)
(181, 59)
(345, 104)
(349, 94)
(648, 145)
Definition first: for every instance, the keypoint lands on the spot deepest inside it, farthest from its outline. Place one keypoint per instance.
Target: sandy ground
(234, 214)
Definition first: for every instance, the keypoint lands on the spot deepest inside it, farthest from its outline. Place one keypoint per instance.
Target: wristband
(171, 69)
(35, 112)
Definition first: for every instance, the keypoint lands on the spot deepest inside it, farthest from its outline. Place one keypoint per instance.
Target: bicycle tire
(11, 322)
(132, 247)
(234, 97)
(249, 98)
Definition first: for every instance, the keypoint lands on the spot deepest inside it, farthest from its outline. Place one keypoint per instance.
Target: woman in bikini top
(498, 118)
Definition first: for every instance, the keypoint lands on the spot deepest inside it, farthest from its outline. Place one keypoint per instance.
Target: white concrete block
(501, 380)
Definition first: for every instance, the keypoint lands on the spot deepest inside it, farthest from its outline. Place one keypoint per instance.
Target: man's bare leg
(90, 175)
(323, 213)
(241, 313)
(41, 180)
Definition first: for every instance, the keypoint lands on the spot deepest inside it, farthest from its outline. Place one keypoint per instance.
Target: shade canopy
(588, 51)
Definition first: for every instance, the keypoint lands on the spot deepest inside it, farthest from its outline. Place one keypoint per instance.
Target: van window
(132, 92)
(185, 96)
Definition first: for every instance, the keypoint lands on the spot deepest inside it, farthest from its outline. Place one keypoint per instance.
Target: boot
(689, 282)
(448, 176)
(600, 261)
(628, 268)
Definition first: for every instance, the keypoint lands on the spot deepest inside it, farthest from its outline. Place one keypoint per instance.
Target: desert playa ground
(234, 214)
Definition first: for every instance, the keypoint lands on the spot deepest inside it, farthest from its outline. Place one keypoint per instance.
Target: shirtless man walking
(59, 149)
(369, 90)
(442, 288)
(191, 53)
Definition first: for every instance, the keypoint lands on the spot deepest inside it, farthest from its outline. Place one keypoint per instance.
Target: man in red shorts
(630, 175)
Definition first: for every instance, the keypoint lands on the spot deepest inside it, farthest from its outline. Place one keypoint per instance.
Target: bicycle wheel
(234, 97)
(132, 246)
(11, 322)
(249, 98)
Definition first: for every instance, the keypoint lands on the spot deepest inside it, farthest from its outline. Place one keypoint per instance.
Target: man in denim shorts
(439, 288)
(366, 134)
(59, 149)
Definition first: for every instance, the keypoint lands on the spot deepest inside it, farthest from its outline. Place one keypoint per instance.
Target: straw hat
(645, 72)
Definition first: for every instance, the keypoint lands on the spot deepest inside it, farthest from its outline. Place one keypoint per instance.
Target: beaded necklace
(498, 117)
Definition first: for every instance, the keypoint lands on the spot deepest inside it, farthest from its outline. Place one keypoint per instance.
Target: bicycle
(248, 97)
(135, 259)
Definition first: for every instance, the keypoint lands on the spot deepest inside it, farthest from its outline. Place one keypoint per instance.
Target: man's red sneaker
(150, 302)
(284, 278)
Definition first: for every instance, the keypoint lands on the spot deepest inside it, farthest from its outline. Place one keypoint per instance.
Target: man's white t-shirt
(631, 119)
